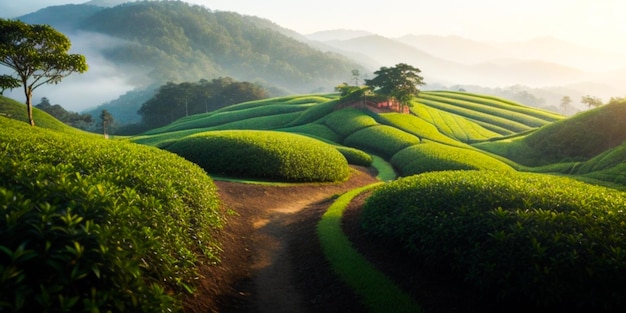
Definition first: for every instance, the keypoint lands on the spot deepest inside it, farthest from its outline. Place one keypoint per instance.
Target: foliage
(400, 82)
(591, 101)
(381, 139)
(525, 239)
(372, 287)
(348, 121)
(173, 101)
(8, 82)
(106, 120)
(263, 154)
(77, 120)
(184, 42)
(17, 111)
(95, 225)
(38, 54)
(578, 138)
(355, 156)
(432, 156)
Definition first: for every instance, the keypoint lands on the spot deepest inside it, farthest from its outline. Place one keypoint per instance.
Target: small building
(384, 106)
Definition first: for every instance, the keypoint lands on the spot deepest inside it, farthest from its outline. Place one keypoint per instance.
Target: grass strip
(373, 288)
(384, 168)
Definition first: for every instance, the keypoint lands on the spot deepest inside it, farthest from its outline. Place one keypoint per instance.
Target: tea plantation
(530, 240)
(94, 225)
(118, 225)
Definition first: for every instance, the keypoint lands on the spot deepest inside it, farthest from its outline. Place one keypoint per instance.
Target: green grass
(263, 154)
(432, 156)
(17, 111)
(348, 121)
(578, 138)
(381, 139)
(386, 172)
(372, 287)
(88, 224)
(494, 106)
(527, 240)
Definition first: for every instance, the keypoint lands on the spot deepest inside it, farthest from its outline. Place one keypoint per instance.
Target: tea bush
(487, 107)
(498, 102)
(381, 139)
(526, 239)
(432, 156)
(263, 154)
(99, 225)
(347, 121)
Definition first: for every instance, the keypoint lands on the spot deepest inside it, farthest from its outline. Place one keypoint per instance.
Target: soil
(272, 260)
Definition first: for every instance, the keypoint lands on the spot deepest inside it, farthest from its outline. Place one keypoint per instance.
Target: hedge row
(524, 239)
(97, 225)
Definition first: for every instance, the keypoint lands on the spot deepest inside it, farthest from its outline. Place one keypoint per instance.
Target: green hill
(98, 225)
(437, 135)
(177, 41)
(578, 138)
(17, 111)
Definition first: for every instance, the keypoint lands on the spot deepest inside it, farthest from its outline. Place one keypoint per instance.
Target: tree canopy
(38, 54)
(173, 101)
(400, 82)
(82, 121)
(591, 101)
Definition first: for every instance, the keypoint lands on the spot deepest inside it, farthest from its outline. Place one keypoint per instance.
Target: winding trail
(276, 231)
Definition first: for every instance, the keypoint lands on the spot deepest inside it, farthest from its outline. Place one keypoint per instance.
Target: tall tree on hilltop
(400, 82)
(106, 120)
(38, 54)
(566, 104)
(591, 101)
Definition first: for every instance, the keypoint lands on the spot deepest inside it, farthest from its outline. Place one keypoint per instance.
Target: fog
(102, 82)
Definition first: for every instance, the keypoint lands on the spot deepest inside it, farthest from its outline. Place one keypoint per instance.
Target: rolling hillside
(437, 135)
(153, 42)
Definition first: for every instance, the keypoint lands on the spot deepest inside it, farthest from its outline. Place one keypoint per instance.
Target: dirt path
(272, 261)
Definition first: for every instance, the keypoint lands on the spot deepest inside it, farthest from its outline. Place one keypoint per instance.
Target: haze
(593, 23)
(596, 24)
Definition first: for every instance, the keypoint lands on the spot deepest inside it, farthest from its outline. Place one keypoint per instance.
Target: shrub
(263, 154)
(355, 156)
(432, 156)
(98, 225)
(381, 139)
(347, 121)
(527, 239)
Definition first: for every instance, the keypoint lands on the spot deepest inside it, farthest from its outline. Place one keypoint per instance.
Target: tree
(173, 101)
(400, 82)
(8, 82)
(566, 104)
(355, 76)
(82, 121)
(106, 120)
(591, 101)
(38, 54)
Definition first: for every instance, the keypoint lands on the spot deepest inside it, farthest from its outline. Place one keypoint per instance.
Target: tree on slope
(591, 101)
(400, 82)
(38, 54)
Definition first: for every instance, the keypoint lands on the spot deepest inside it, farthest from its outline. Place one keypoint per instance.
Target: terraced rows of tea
(438, 134)
(461, 204)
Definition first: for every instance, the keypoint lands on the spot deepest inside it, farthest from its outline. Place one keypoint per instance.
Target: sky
(595, 23)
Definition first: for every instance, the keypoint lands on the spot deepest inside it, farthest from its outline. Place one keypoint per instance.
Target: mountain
(382, 51)
(152, 42)
(337, 34)
(455, 48)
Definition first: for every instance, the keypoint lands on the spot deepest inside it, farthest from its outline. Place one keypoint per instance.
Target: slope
(436, 136)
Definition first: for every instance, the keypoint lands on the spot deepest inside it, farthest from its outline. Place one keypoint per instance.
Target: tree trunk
(29, 104)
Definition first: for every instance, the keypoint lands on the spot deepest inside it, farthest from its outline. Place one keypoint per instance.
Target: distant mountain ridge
(559, 68)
